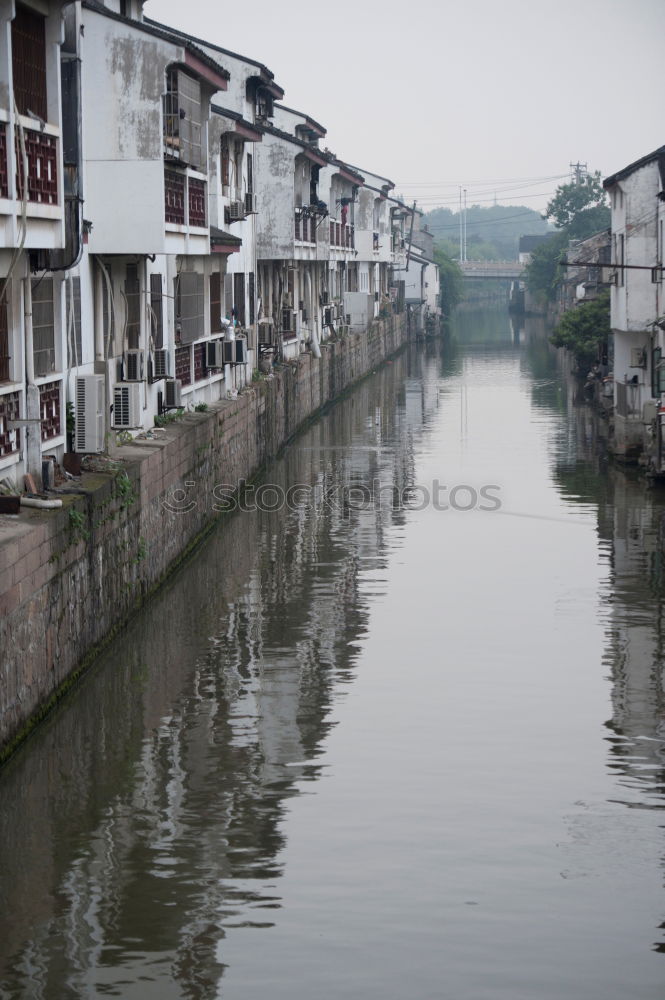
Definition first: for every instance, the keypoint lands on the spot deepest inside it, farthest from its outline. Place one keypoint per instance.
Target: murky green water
(367, 746)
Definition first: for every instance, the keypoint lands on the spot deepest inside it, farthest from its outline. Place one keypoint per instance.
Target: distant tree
(584, 329)
(581, 209)
(497, 226)
(451, 280)
(542, 273)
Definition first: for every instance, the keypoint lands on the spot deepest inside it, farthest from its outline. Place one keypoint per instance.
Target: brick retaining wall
(69, 579)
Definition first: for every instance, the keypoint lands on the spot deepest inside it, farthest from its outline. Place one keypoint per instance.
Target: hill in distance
(492, 232)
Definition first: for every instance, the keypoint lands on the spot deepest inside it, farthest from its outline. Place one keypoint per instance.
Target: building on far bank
(637, 195)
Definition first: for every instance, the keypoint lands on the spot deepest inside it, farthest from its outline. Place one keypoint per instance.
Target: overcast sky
(485, 94)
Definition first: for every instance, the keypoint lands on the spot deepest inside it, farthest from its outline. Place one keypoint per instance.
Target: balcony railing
(174, 197)
(10, 438)
(42, 155)
(342, 235)
(197, 201)
(49, 401)
(180, 191)
(305, 227)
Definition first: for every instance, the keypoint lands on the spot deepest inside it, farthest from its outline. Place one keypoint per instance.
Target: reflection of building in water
(635, 654)
(146, 817)
(631, 529)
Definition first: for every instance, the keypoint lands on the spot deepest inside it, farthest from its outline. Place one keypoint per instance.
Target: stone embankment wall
(70, 578)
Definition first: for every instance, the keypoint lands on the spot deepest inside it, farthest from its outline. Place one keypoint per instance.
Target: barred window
(43, 326)
(4, 339)
(156, 311)
(29, 61)
(133, 302)
(73, 322)
(189, 306)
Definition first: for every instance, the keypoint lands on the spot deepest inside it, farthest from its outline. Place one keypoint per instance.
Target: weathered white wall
(123, 79)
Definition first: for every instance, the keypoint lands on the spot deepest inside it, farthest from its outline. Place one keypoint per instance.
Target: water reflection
(144, 819)
(145, 829)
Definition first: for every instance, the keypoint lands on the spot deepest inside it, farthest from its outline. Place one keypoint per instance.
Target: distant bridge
(510, 270)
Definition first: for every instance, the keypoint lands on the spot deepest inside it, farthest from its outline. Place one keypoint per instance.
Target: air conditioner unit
(215, 354)
(649, 411)
(89, 413)
(237, 210)
(229, 352)
(162, 363)
(343, 329)
(251, 203)
(127, 405)
(134, 366)
(638, 357)
(240, 351)
(173, 394)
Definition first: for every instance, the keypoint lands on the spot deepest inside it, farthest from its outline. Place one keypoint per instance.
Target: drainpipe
(32, 402)
(316, 350)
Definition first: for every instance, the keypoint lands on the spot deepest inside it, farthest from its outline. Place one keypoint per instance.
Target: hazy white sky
(480, 93)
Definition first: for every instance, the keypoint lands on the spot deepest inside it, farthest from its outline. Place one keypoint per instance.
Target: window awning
(223, 242)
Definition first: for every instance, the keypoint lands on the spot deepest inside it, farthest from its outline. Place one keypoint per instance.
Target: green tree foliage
(578, 210)
(452, 281)
(584, 329)
(581, 209)
(542, 273)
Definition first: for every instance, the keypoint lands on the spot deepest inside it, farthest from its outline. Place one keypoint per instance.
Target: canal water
(402, 737)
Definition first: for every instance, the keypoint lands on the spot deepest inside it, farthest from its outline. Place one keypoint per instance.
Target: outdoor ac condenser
(89, 413)
(127, 405)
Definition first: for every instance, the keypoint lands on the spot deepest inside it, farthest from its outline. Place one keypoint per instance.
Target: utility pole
(578, 172)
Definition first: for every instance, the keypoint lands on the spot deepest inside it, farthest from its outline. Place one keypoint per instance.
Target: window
(252, 296)
(250, 174)
(239, 297)
(183, 364)
(215, 303)
(156, 311)
(73, 322)
(43, 329)
(621, 253)
(227, 305)
(4, 339)
(225, 160)
(133, 305)
(29, 62)
(182, 119)
(189, 306)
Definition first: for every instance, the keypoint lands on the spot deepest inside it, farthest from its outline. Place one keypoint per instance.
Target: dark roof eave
(316, 126)
(644, 161)
(218, 48)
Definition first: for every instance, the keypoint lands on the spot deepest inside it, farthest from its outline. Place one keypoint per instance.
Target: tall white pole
(461, 236)
(465, 224)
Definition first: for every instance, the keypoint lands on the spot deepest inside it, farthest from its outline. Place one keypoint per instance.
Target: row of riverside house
(167, 227)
